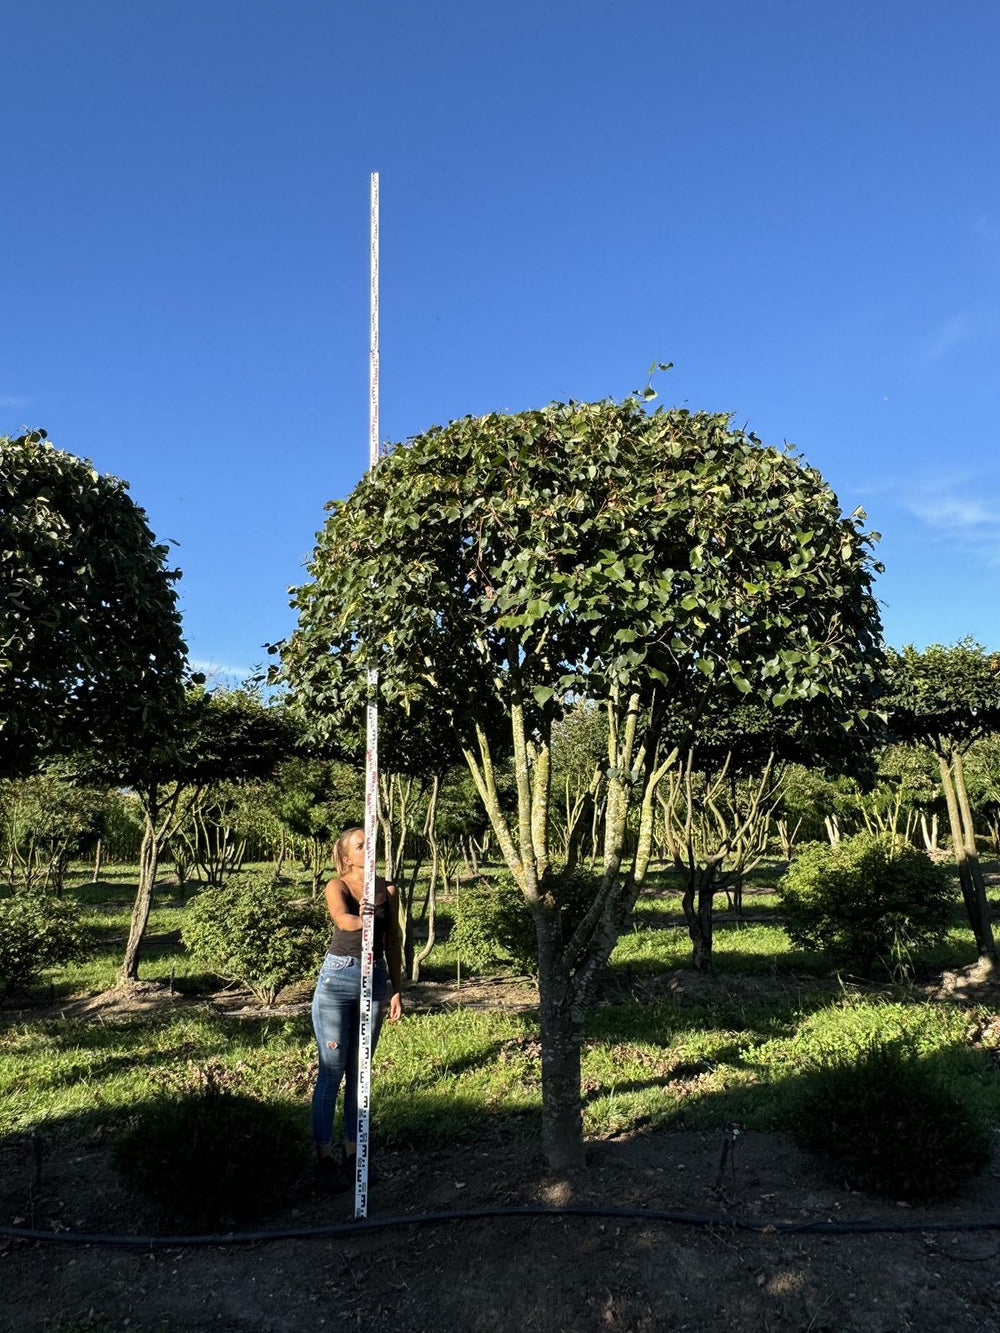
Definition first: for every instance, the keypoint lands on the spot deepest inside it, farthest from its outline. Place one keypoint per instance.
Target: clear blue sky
(798, 203)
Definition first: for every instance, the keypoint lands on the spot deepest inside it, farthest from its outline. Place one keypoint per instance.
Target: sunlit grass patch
(443, 1076)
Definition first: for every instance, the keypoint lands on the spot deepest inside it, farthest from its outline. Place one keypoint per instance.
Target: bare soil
(516, 1273)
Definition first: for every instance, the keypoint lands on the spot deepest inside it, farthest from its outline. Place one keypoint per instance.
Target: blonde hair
(340, 846)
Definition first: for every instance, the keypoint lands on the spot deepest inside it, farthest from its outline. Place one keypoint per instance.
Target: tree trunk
(98, 860)
(980, 928)
(418, 959)
(282, 849)
(984, 935)
(930, 834)
(316, 864)
(148, 859)
(700, 886)
(562, 1033)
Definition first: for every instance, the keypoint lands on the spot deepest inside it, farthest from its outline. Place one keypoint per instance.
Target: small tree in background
(225, 735)
(505, 566)
(314, 800)
(947, 698)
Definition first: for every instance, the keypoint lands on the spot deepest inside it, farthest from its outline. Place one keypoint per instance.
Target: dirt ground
(515, 1273)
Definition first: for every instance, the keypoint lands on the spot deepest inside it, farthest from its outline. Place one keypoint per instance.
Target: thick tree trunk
(699, 917)
(148, 859)
(562, 1033)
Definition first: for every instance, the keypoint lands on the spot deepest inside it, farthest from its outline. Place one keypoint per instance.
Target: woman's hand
(395, 1007)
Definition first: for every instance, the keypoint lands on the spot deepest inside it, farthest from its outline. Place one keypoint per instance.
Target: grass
(444, 1076)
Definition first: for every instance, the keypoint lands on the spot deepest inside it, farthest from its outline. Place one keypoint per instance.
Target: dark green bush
(494, 928)
(210, 1159)
(869, 898)
(36, 932)
(252, 932)
(887, 1125)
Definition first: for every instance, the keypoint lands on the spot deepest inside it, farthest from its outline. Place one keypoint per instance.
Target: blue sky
(796, 203)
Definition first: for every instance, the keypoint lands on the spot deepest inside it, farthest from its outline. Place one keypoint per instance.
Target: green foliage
(216, 736)
(870, 897)
(36, 932)
(579, 550)
(494, 929)
(886, 1124)
(250, 931)
(45, 819)
(316, 798)
(211, 1158)
(943, 696)
(90, 636)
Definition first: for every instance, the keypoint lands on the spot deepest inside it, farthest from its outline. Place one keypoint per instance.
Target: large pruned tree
(948, 697)
(90, 635)
(516, 563)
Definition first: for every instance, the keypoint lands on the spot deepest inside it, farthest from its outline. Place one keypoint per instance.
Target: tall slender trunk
(929, 833)
(984, 936)
(980, 924)
(417, 960)
(316, 864)
(279, 864)
(98, 860)
(148, 860)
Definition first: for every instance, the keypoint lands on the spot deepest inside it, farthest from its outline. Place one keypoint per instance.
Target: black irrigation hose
(353, 1228)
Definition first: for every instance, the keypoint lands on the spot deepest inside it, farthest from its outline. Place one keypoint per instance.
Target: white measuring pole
(371, 787)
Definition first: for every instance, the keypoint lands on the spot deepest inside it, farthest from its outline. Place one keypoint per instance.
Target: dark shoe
(329, 1175)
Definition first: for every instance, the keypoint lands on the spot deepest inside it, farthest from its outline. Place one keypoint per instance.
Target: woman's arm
(338, 904)
(394, 952)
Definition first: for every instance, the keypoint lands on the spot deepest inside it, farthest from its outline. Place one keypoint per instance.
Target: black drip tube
(353, 1228)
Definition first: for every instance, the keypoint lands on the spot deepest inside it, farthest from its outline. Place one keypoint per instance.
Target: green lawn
(671, 1062)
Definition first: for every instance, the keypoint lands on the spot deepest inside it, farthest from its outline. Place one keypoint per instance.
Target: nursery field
(691, 1092)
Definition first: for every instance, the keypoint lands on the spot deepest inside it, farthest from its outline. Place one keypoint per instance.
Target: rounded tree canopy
(90, 635)
(581, 550)
(943, 695)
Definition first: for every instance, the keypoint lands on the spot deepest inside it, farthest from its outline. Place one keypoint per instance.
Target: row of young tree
(694, 597)
(723, 808)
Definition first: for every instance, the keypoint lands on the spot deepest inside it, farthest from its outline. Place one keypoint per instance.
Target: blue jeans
(336, 1016)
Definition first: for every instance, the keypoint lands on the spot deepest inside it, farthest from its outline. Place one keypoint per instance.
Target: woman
(336, 1007)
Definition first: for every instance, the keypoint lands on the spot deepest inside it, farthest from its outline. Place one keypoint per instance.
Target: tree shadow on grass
(133, 1170)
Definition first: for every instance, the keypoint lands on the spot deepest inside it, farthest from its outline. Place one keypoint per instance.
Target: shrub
(209, 1159)
(250, 931)
(887, 1125)
(494, 927)
(36, 932)
(870, 897)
